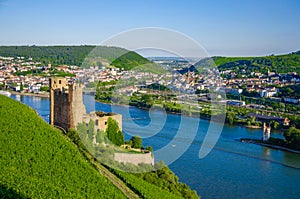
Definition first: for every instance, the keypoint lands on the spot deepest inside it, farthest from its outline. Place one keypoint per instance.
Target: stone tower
(66, 105)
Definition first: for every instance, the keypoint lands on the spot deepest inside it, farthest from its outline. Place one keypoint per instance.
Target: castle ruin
(66, 105)
(67, 109)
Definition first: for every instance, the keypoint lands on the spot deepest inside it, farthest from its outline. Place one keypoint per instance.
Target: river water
(231, 170)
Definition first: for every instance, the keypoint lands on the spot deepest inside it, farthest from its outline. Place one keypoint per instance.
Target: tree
(100, 136)
(45, 88)
(113, 132)
(275, 124)
(21, 87)
(248, 123)
(292, 137)
(137, 142)
(119, 138)
(149, 148)
(230, 118)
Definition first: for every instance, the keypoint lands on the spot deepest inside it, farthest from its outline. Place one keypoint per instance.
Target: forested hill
(274, 63)
(75, 55)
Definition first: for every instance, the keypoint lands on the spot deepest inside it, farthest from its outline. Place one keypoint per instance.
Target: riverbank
(253, 127)
(262, 143)
(46, 95)
(215, 118)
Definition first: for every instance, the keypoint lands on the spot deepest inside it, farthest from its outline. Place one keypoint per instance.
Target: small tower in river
(266, 132)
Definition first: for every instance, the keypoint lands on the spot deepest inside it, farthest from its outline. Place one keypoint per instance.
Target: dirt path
(110, 176)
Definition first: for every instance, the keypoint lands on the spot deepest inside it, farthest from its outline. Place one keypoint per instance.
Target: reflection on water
(266, 151)
(232, 170)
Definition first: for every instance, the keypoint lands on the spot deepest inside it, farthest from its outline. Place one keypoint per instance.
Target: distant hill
(130, 60)
(75, 55)
(276, 63)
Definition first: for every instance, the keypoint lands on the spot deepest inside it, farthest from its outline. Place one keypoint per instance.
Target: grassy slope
(36, 161)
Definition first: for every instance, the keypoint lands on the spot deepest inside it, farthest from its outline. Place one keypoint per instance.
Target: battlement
(58, 83)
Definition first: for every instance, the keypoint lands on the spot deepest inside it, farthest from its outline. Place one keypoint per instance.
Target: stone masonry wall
(62, 110)
(78, 108)
(134, 158)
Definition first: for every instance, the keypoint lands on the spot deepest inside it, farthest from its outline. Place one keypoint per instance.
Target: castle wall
(56, 83)
(77, 104)
(62, 110)
(101, 122)
(135, 158)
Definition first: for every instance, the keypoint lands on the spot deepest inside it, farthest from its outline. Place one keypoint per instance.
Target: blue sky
(223, 27)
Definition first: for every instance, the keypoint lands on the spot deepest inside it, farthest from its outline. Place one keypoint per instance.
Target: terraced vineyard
(39, 161)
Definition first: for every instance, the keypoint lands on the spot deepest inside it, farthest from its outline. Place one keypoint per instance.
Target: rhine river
(231, 170)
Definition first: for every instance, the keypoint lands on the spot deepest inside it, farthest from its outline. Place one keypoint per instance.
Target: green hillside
(75, 55)
(129, 60)
(276, 63)
(37, 161)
